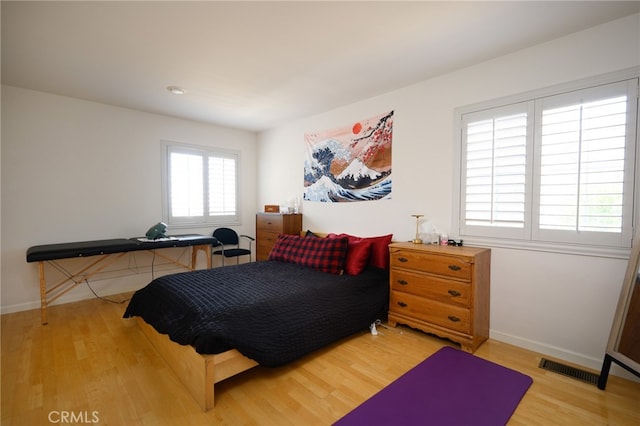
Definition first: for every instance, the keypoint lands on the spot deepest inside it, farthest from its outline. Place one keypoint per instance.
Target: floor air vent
(569, 371)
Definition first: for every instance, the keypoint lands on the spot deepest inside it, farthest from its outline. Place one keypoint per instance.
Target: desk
(106, 252)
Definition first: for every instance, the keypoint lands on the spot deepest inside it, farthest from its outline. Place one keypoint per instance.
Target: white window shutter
(495, 166)
(185, 195)
(222, 186)
(583, 192)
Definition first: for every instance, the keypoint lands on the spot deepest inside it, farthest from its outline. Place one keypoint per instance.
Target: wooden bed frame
(199, 373)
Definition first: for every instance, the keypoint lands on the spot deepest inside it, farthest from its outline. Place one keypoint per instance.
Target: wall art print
(351, 163)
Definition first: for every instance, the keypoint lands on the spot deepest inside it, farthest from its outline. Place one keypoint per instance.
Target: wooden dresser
(443, 290)
(269, 226)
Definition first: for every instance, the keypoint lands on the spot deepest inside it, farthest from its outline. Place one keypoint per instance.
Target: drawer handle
(454, 267)
(402, 304)
(403, 259)
(453, 318)
(455, 293)
(403, 282)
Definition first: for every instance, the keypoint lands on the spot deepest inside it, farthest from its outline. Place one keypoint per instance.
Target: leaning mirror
(623, 347)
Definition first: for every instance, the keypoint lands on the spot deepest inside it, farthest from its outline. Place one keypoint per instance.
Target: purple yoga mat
(450, 387)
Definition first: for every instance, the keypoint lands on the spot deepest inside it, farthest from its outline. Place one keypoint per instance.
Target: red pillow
(377, 255)
(324, 254)
(380, 251)
(357, 256)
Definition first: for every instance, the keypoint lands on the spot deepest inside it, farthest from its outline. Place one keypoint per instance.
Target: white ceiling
(255, 65)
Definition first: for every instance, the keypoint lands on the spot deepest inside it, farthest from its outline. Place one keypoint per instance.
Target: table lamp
(417, 239)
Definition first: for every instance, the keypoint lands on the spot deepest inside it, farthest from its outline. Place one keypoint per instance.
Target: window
(554, 168)
(200, 185)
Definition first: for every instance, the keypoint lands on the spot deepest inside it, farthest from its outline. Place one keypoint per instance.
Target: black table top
(115, 245)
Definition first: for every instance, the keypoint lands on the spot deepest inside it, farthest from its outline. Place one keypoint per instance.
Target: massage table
(106, 253)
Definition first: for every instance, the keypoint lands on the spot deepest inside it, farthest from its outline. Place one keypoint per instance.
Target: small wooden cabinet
(269, 226)
(443, 290)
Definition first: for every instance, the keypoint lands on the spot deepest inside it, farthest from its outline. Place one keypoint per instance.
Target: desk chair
(229, 243)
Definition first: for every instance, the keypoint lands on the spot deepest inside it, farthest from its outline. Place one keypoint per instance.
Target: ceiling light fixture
(176, 90)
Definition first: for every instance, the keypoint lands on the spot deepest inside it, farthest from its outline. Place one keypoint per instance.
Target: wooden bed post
(197, 372)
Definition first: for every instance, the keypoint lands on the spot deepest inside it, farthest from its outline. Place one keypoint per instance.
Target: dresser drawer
(450, 266)
(431, 287)
(442, 314)
(269, 223)
(266, 240)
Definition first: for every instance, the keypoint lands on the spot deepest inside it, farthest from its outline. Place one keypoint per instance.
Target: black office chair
(229, 244)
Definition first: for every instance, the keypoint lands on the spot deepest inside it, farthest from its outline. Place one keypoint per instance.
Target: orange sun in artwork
(357, 128)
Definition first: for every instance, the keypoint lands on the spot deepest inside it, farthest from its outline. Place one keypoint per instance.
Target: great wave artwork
(352, 163)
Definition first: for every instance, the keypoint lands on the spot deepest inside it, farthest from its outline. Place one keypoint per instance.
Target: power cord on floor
(106, 299)
(374, 327)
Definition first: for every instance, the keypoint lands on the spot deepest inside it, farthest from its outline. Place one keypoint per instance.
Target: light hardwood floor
(89, 362)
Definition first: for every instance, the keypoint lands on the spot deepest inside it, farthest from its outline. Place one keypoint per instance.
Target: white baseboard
(103, 287)
(19, 307)
(73, 296)
(561, 354)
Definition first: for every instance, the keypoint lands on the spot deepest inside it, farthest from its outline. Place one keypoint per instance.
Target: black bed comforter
(270, 311)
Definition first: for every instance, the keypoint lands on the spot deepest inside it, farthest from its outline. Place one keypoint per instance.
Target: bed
(212, 324)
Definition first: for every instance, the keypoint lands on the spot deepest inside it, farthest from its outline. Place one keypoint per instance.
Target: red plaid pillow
(324, 254)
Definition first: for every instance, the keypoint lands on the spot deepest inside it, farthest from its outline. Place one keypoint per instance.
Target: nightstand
(443, 290)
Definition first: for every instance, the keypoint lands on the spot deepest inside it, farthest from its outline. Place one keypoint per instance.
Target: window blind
(222, 186)
(495, 171)
(186, 174)
(582, 166)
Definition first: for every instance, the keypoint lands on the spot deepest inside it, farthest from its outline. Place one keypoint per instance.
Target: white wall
(561, 305)
(75, 170)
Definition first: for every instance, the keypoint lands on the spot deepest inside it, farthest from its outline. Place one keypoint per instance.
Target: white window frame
(205, 220)
(530, 237)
